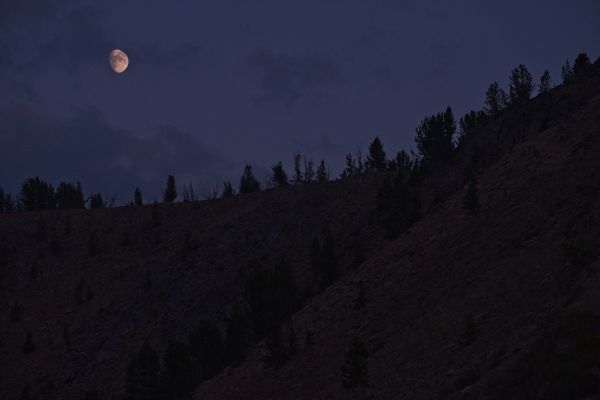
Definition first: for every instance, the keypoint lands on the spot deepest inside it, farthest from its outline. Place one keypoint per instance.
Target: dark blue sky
(215, 84)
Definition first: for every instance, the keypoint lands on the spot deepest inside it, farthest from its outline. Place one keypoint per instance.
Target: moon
(118, 61)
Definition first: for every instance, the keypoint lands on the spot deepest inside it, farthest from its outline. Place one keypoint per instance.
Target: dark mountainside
(492, 298)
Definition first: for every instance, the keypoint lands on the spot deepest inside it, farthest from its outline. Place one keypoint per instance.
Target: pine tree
(521, 85)
(566, 72)
(142, 375)
(237, 336)
(582, 62)
(248, 182)
(495, 99)
(137, 197)
(434, 137)
(351, 168)
(355, 369)
(297, 169)
(96, 201)
(170, 193)
(207, 351)
(70, 195)
(2, 201)
(279, 176)
(228, 190)
(545, 82)
(376, 159)
(469, 122)
(471, 200)
(322, 174)
(37, 195)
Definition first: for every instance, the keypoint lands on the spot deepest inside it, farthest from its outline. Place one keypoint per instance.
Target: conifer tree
(278, 176)
(434, 137)
(207, 351)
(297, 169)
(376, 159)
(469, 122)
(37, 195)
(355, 369)
(177, 379)
(70, 195)
(495, 99)
(322, 174)
(521, 84)
(96, 201)
(309, 172)
(581, 63)
(2, 200)
(237, 336)
(566, 72)
(545, 82)
(170, 193)
(228, 190)
(471, 200)
(137, 197)
(142, 381)
(248, 183)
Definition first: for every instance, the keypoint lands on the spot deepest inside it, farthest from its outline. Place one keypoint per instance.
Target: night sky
(213, 85)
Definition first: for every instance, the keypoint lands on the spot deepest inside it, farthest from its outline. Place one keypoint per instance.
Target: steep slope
(92, 285)
(468, 306)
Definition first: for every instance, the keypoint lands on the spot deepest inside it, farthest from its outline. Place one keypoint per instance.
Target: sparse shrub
(28, 346)
(355, 370)
(170, 193)
(248, 183)
(471, 199)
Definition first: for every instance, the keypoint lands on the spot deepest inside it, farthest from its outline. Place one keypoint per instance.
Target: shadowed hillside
(495, 304)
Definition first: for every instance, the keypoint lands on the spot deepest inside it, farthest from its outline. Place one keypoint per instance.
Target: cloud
(287, 79)
(104, 158)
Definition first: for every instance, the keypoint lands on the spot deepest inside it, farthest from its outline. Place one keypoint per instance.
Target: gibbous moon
(118, 61)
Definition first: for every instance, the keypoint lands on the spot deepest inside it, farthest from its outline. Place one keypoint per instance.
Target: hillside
(458, 307)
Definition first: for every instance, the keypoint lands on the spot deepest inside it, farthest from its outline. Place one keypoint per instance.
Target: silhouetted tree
(137, 197)
(520, 85)
(69, 195)
(322, 174)
(228, 190)
(177, 379)
(471, 200)
(495, 99)
(434, 137)
(351, 168)
(404, 163)
(271, 297)
(96, 201)
(28, 346)
(398, 205)
(323, 260)
(469, 122)
(545, 82)
(297, 169)
(309, 172)
(279, 176)
(207, 351)
(2, 200)
(248, 182)
(9, 203)
(142, 381)
(37, 195)
(582, 62)
(376, 159)
(566, 72)
(237, 336)
(170, 193)
(355, 368)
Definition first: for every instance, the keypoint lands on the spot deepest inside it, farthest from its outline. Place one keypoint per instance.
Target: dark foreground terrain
(499, 304)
